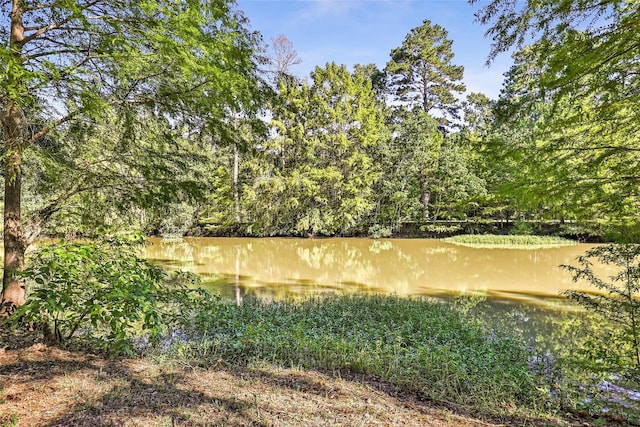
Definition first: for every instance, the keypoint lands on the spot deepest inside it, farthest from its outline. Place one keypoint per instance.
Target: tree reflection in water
(276, 267)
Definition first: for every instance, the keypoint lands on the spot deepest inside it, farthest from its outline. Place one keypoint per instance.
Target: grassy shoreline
(421, 362)
(47, 386)
(413, 345)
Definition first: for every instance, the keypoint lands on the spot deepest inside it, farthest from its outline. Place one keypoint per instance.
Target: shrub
(620, 303)
(380, 231)
(104, 293)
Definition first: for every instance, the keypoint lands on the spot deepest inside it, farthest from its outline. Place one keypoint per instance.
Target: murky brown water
(275, 268)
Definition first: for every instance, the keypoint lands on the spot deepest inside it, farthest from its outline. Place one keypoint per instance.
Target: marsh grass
(414, 345)
(489, 241)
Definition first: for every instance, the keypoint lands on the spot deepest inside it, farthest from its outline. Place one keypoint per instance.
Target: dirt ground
(47, 386)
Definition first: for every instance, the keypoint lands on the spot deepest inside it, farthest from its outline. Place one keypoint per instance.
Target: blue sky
(365, 31)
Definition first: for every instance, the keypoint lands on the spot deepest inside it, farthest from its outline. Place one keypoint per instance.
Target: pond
(514, 292)
(275, 268)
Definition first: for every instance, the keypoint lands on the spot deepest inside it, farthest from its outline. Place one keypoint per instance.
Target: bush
(620, 303)
(104, 293)
(380, 231)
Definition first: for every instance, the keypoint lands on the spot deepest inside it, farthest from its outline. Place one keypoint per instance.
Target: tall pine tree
(421, 72)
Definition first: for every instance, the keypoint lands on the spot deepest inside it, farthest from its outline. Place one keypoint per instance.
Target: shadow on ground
(48, 386)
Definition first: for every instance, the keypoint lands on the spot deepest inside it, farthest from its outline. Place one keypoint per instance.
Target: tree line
(359, 151)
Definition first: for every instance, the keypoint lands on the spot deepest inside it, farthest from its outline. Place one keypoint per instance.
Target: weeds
(413, 344)
(9, 420)
(611, 352)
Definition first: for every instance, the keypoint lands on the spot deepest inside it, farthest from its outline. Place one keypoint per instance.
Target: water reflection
(276, 268)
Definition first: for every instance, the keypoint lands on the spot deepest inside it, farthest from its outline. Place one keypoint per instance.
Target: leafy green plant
(413, 344)
(521, 228)
(620, 303)
(378, 231)
(102, 292)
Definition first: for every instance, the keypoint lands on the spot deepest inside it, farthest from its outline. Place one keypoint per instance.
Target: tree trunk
(425, 203)
(13, 289)
(236, 191)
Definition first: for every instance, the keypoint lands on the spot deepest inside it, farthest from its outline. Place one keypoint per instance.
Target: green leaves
(320, 159)
(101, 174)
(103, 293)
(413, 344)
(127, 65)
(421, 72)
(619, 302)
(569, 107)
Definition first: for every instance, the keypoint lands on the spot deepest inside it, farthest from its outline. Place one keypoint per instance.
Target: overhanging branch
(51, 126)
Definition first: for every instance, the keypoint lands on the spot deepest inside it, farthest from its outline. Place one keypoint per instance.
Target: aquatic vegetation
(413, 344)
(488, 241)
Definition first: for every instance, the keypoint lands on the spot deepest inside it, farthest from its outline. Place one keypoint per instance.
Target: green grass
(416, 345)
(509, 241)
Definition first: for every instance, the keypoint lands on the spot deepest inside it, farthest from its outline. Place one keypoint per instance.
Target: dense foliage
(70, 67)
(413, 344)
(320, 166)
(365, 152)
(568, 124)
(338, 160)
(104, 294)
(343, 153)
(619, 302)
